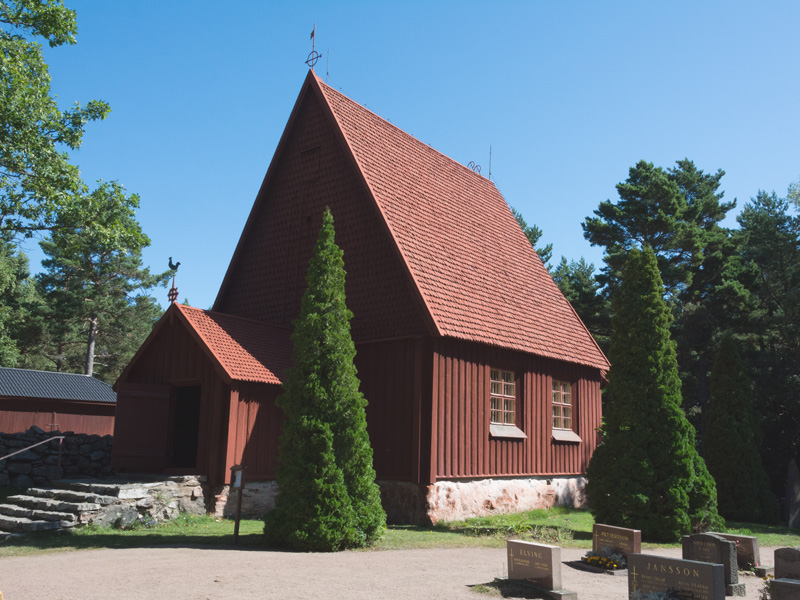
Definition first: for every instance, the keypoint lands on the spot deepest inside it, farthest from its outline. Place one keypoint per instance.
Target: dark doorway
(186, 427)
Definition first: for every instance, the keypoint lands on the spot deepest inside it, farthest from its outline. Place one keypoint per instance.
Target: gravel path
(198, 573)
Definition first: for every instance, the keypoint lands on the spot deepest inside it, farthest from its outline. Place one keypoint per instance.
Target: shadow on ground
(505, 588)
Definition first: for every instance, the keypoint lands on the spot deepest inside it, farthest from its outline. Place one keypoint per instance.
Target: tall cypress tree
(646, 473)
(733, 436)
(328, 498)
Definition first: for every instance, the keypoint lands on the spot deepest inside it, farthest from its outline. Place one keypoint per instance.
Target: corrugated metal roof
(24, 383)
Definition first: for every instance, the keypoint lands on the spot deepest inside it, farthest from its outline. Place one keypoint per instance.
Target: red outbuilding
(483, 384)
(55, 402)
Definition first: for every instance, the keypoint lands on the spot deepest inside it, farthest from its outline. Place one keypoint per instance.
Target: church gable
(311, 170)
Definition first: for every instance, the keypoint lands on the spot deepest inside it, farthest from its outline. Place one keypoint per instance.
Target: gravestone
(712, 548)
(538, 565)
(748, 554)
(793, 496)
(619, 540)
(787, 563)
(785, 589)
(690, 580)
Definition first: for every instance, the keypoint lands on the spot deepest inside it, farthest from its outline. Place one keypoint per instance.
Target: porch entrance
(185, 428)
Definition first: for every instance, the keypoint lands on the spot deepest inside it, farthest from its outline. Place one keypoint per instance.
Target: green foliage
(36, 179)
(771, 230)
(733, 439)
(646, 473)
(677, 213)
(328, 498)
(16, 294)
(94, 288)
(534, 234)
(577, 281)
(669, 212)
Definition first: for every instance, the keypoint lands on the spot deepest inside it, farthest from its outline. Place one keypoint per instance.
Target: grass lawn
(559, 526)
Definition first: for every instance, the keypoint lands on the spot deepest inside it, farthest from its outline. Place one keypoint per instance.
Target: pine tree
(95, 287)
(328, 498)
(646, 473)
(733, 439)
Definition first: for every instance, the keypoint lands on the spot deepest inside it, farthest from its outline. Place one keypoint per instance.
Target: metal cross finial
(314, 56)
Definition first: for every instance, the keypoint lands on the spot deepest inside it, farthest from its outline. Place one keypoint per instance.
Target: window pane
(567, 412)
(510, 418)
(495, 375)
(497, 388)
(497, 416)
(557, 422)
(508, 389)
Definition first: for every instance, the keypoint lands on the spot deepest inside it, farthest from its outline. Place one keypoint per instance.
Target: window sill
(565, 435)
(507, 431)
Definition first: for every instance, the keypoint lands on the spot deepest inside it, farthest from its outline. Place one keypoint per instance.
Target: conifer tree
(646, 473)
(733, 439)
(328, 498)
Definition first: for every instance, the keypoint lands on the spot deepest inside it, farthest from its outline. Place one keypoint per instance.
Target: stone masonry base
(422, 504)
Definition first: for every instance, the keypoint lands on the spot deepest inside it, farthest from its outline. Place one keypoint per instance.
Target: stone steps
(108, 502)
(72, 496)
(23, 524)
(53, 505)
(12, 510)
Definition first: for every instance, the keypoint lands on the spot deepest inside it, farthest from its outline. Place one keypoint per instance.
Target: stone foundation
(460, 499)
(258, 498)
(412, 503)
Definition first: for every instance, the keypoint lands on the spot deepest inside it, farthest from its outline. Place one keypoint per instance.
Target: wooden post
(237, 483)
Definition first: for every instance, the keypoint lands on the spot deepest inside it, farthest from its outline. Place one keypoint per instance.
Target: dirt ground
(197, 573)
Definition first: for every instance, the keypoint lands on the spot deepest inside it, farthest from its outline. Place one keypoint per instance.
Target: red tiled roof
(247, 350)
(478, 275)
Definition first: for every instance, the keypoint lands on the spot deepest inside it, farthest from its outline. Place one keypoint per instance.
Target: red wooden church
(483, 384)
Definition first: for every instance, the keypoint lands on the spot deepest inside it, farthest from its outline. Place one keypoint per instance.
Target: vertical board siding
(461, 440)
(257, 431)
(389, 380)
(175, 359)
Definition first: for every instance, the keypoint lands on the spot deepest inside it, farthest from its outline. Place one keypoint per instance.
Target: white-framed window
(503, 397)
(562, 405)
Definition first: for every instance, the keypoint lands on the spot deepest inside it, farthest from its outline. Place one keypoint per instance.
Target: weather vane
(314, 56)
(173, 292)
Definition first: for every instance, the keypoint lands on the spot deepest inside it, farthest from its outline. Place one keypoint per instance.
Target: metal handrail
(60, 439)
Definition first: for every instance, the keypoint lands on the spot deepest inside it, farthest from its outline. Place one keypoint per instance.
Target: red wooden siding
(462, 446)
(254, 428)
(392, 378)
(174, 359)
(20, 414)
(266, 278)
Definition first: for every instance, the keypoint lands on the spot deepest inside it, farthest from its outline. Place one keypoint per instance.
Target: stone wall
(82, 455)
(160, 500)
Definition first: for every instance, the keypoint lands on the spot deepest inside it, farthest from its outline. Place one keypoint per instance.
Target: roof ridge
(416, 140)
(59, 373)
(426, 302)
(208, 311)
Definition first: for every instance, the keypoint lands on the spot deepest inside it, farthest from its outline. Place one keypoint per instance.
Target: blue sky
(569, 95)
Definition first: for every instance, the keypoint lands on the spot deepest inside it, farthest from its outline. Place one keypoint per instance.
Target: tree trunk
(90, 345)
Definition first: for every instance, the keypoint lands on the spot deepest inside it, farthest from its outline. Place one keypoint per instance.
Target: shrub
(327, 498)
(646, 473)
